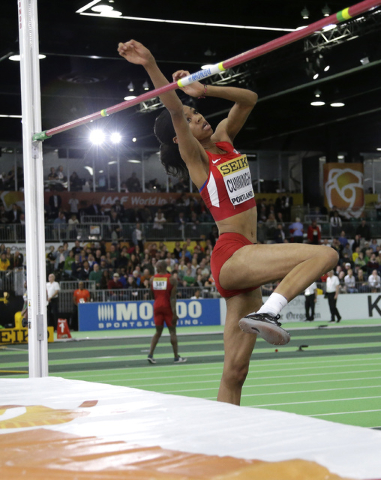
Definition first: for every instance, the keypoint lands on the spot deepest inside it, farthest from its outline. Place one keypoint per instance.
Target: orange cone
(63, 329)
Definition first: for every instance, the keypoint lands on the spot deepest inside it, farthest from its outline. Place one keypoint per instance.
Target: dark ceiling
(73, 84)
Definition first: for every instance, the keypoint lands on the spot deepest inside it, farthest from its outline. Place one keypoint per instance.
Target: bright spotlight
(130, 97)
(134, 139)
(315, 76)
(116, 137)
(337, 104)
(102, 8)
(317, 104)
(146, 85)
(16, 58)
(97, 137)
(327, 68)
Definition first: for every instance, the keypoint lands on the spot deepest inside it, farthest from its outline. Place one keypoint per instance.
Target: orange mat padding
(42, 454)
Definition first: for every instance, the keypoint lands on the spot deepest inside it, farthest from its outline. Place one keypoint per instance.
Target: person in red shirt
(189, 146)
(81, 295)
(164, 288)
(314, 233)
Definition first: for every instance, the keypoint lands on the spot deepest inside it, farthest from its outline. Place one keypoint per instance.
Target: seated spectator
(279, 235)
(105, 279)
(18, 260)
(60, 174)
(76, 267)
(314, 233)
(361, 282)
(188, 278)
(271, 226)
(4, 262)
(14, 214)
(341, 277)
(336, 223)
(137, 236)
(350, 282)
(69, 262)
(59, 226)
(52, 174)
(96, 276)
(159, 220)
(75, 182)
(197, 295)
(297, 231)
(363, 231)
(73, 222)
(133, 183)
(374, 281)
(85, 272)
(372, 264)
(115, 282)
(181, 220)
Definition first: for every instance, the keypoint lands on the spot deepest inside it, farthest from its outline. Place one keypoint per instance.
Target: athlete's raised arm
(244, 102)
(138, 54)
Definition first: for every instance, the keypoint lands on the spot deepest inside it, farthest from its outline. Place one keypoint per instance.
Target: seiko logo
(233, 165)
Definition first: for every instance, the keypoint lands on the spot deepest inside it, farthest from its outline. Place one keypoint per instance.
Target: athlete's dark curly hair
(169, 151)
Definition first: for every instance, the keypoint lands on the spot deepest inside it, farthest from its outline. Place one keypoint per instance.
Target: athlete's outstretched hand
(195, 89)
(135, 52)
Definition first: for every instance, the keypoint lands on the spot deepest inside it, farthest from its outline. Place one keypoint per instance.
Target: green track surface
(336, 378)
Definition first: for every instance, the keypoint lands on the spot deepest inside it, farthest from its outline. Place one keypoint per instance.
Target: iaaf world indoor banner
(344, 188)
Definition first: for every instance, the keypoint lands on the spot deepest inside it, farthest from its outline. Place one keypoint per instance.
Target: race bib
(160, 283)
(237, 178)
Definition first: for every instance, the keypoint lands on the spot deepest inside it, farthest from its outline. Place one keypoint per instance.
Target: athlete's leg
(238, 346)
(298, 266)
(172, 332)
(155, 339)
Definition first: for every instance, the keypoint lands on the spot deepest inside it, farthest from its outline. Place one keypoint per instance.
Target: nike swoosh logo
(215, 161)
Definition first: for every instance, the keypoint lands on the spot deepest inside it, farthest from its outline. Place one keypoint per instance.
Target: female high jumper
(239, 266)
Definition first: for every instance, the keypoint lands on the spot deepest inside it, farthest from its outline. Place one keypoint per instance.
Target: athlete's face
(199, 127)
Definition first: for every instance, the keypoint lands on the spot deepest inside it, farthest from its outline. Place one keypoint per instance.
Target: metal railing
(141, 294)
(12, 281)
(10, 233)
(123, 295)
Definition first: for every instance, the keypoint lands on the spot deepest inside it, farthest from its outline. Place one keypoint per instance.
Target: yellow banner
(344, 188)
(20, 335)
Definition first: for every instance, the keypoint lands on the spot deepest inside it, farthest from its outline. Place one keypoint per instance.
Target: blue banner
(126, 315)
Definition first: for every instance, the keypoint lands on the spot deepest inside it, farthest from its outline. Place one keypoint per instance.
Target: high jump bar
(336, 18)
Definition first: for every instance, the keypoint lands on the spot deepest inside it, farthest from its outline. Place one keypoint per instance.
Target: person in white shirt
(332, 292)
(374, 281)
(310, 294)
(52, 291)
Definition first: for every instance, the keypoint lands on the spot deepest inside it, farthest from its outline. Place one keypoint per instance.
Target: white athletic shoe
(266, 326)
(151, 359)
(179, 360)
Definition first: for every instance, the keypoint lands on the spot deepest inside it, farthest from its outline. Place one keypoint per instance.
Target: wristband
(204, 94)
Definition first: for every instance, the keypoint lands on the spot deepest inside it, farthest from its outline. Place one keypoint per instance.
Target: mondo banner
(127, 315)
(344, 188)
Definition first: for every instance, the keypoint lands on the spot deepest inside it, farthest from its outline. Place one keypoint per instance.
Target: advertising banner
(126, 315)
(356, 306)
(344, 188)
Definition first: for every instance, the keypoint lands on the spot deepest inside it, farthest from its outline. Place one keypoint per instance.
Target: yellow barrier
(20, 335)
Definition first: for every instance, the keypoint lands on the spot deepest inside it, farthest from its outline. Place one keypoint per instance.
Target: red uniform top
(162, 287)
(228, 189)
(81, 296)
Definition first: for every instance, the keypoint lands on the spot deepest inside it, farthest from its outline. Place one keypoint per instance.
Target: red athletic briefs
(163, 315)
(226, 245)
